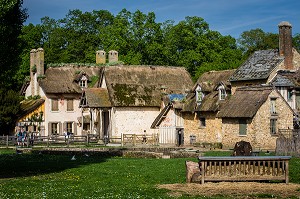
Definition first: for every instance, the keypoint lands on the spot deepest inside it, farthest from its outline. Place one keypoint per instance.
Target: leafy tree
(12, 17)
(296, 41)
(257, 39)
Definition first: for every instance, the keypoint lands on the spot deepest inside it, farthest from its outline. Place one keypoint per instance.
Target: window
(222, 93)
(289, 94)
(199, 95)
(273, 106)
(83, 82)
(54, 128)
(273, 123)
(242, 127)
(70, 105)
(54, 105)
(69, 127)
(202, 122)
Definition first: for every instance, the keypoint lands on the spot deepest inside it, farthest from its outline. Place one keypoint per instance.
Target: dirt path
(236, 189)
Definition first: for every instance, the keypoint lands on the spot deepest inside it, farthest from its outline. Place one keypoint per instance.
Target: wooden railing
(51, 140)
(138, 139)
(244, 168)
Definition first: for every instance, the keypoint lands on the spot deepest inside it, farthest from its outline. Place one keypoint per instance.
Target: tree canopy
(12, 17)
(138, 38)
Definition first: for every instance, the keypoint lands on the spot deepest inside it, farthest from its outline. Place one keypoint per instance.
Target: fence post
(122, 139)
(134, 139)
(7, 141)
(87, 140)
(48, 140)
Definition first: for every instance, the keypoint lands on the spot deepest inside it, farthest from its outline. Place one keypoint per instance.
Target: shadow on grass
(21, 165)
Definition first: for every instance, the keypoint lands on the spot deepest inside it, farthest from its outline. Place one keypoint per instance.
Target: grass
(57, 176)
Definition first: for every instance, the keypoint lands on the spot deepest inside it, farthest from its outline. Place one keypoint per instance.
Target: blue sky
(229, 17)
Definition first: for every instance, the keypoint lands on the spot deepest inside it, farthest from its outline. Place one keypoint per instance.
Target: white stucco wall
(62, 115)
(133, 120)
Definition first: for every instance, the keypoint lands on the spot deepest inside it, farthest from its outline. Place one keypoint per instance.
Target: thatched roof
(245, 102)
(97, 97)
(144, 85)
(27, 106)
(62, 80)
(258, 66)
(210, 80)
(210, 103)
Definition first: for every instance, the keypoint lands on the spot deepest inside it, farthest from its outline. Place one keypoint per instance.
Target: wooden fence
(51, 140)
(60, 140)
(288, 142)
(137, 139)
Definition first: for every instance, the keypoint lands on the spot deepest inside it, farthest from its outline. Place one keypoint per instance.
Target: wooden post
(202, 172)
(286, 171)
(7, 141)
(87, 140)
(122, 139)
(48, 140)
(134, 139)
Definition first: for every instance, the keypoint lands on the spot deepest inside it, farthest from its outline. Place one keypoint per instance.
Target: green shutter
(242, 127)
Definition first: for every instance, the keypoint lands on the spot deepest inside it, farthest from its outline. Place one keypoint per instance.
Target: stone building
(198, 122)
(255, 114)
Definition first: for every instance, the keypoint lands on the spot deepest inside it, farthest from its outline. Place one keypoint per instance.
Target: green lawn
(49, 176)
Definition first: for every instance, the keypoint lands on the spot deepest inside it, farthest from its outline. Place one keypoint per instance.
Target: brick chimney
(40, 61)
(285, 44)
(112, 56)
(36, 68)
(100, 57)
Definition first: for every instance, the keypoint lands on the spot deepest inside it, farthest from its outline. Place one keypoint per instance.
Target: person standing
(24, 137)
(19, 138)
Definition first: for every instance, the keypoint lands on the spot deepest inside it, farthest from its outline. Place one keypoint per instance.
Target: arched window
(222, 92)
(199, 95)
(83, 82)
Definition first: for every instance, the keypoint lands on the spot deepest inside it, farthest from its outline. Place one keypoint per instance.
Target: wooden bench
(244, 168)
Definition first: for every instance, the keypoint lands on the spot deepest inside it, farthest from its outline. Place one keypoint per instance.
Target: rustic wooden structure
(244, 168)
(136, 139)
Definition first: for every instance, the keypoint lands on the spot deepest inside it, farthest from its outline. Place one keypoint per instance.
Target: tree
(257, 39)
(296, 41)
(12, 17)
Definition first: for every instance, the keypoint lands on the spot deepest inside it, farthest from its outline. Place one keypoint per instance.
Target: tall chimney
(40, 61)
(100, 57)
(285, 44)
(112, 56)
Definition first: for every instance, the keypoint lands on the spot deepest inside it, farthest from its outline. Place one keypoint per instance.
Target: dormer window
(222, 92)
(199, 95)
(83, 82)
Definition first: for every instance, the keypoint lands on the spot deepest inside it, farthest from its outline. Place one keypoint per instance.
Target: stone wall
(211, 133)
(258, 128)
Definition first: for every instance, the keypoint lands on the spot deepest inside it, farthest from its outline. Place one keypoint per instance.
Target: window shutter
(60, 128)
(49, 128)
(75, 128)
